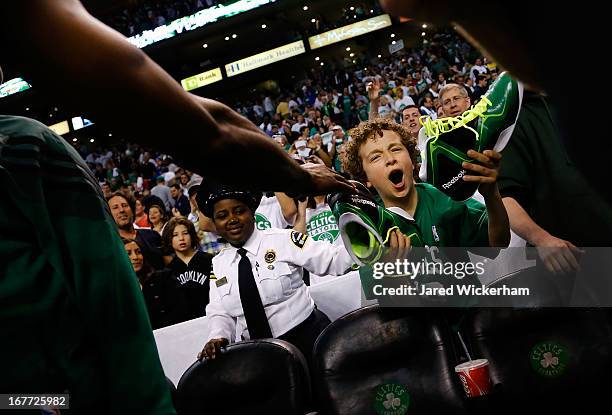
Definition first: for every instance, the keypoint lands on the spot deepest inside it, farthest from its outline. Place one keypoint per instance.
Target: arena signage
(195, 21)
(396, 46)
(13, 86)
(349, 31)
(265, 58)
(60, 128)
(201, 79)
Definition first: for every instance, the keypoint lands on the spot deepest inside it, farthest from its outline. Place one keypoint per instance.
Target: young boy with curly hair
(382, 155)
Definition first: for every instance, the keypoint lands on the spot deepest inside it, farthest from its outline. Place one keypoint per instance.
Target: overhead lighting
(394, 42)
(92, 140)
(351, 54)
(424, 26)
(74, 140)
(354, 16)
(317, 58)
(392, 34)
(313, 20)
(305, 8)
(321, 63)
(352, 8)
(371, 10)
(348, 48)
(354, 61)
(226, 37)
(379, 56)
(205, 45)
(423, 34)
(27, 108)
(110, 134)
(263, 26)
(234, 36)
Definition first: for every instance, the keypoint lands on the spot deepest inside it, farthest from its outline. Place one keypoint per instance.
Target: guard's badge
(298, 239)
(212, 277)
(221, 282)
(270, 256)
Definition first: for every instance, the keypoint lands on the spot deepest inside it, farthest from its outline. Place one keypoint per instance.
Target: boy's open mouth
(397, 178)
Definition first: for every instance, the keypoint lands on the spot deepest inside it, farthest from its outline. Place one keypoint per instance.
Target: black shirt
(194, 281)
(165, 300)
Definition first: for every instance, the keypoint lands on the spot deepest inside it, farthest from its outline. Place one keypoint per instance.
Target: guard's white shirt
(277, 257)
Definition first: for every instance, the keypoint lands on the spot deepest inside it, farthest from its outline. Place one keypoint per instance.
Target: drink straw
(464, 346)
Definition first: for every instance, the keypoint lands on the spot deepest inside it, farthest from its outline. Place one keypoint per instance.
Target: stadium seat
(252, 377)
(549, 290)
(381, 356)
(546, 290)
(545, 359)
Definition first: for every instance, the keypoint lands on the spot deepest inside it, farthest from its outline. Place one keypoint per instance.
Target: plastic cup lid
(472, 364)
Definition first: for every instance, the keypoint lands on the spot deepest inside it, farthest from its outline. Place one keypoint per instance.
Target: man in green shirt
(549, 201)
(73, 318)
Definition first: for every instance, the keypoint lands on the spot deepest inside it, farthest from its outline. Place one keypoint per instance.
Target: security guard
(257, 291)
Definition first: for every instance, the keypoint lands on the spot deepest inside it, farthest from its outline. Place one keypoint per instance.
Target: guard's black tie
(253, 308)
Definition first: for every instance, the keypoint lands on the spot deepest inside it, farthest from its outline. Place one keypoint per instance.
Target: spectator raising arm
(373, 89)
(287, 206)
(118, 83)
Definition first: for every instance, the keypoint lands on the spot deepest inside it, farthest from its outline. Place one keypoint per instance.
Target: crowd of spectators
(151, 14)
(148, 15)
(319, 111)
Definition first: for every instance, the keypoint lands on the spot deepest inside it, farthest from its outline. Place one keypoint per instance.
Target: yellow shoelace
(433, 128)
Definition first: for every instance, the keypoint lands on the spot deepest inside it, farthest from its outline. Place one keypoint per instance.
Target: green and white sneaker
(365, 226)
(487, 125)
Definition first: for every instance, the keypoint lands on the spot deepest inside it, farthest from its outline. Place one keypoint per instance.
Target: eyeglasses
(454, 100)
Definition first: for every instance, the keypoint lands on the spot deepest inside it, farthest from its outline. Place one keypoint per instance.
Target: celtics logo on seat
(262, 222)
(391, 399)
(323, 227)
(549, 359)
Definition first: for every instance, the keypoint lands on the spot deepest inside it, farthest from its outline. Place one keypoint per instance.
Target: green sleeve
(101, 282)
(516, 169)
(474, 225)
(107, 291)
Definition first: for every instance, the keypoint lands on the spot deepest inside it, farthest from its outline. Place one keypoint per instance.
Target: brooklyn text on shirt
(195, 276)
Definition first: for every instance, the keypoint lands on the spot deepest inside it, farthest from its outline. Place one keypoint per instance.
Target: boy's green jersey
(442, 222)
(446, 222)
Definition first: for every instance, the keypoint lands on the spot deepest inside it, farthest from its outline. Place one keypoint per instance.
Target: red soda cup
(474, 376)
